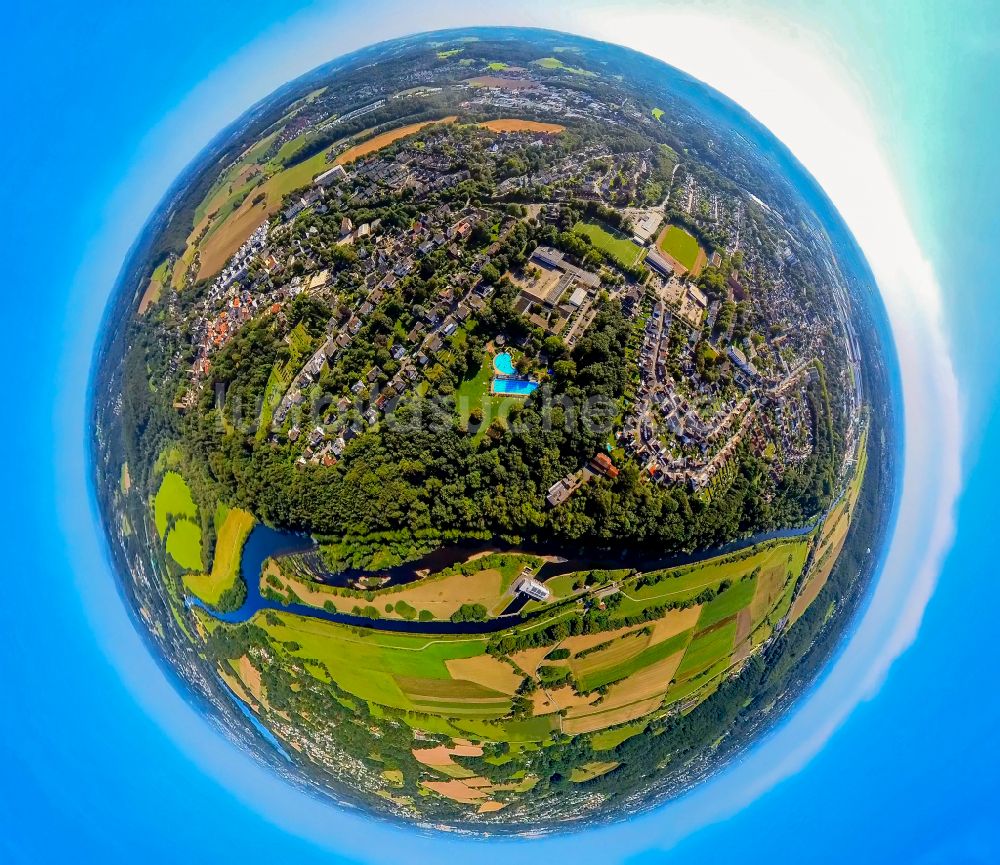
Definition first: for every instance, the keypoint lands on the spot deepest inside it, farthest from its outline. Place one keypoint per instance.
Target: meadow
(233, 527)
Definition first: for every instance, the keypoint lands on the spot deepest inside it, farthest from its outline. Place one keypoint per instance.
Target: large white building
(532, 588)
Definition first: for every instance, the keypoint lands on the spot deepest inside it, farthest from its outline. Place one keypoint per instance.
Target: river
(265, 542)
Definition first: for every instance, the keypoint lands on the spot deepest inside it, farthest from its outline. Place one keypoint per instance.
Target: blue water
(503, 363)
(514, 386)
(103, 758)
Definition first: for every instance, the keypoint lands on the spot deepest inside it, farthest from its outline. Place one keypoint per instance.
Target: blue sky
(102, 759)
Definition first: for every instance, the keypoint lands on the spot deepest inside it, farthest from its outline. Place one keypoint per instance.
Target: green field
(554, 63)
(688, 582)
(233, 526)
(589, 771)
(658, 114)
(184, 544)
(729, 603)
(679, 245)
(173, 499)
(706, 649)
(402, 671)
(607, 740)
(627, 668)
(621, 248)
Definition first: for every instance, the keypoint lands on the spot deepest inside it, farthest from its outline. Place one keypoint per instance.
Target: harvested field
(444, 595)
(486, 670)
(610, 718)
(457, 790)
(250, 676)
(509, 124)
(547, 701)
(821, 573)
(228, 236)
(673, 623)
(442, 754)
(770, 586)
(647, 683)
(530, 659)
(384, 139)
(236, 686)
(744, 624)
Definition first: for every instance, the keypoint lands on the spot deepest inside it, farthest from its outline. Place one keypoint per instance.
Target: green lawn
(184, 544)
(680, 245)
(475, 393)
(621, 248)
(658, 113)
(173, 499)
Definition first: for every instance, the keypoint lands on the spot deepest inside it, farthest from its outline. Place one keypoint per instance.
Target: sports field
(621, 248)
(682, 248)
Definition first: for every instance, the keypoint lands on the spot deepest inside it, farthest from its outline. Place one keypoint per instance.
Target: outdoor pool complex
(504, 364)
(513, 386)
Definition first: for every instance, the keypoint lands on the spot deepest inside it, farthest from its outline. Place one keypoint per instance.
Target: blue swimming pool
(513, 386)
(504, 364)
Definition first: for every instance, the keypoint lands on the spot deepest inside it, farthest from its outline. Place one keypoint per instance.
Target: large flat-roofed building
(555, 260)
(532, 588)
(331, 176)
